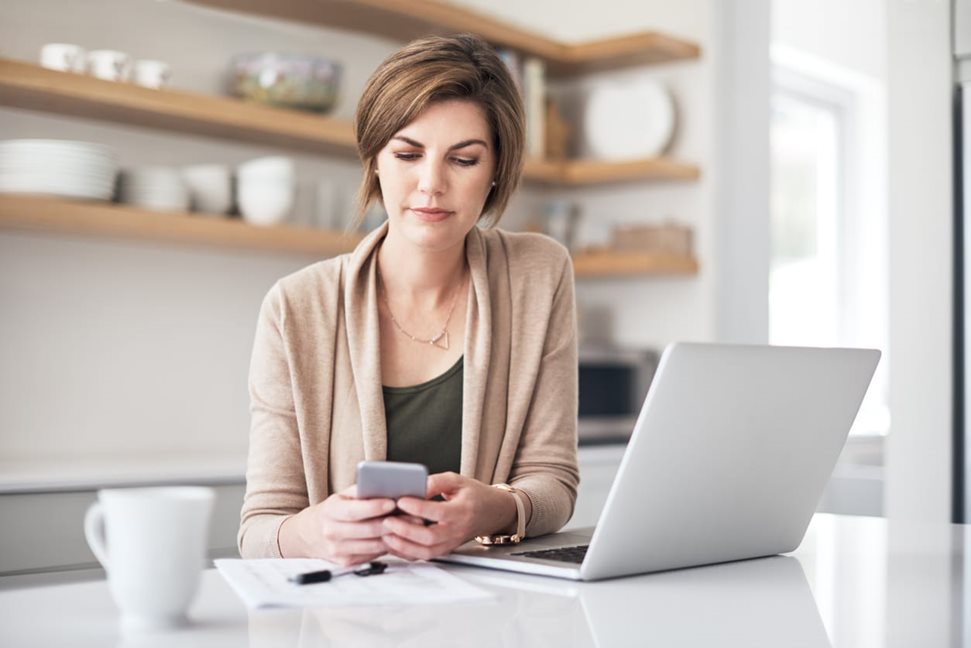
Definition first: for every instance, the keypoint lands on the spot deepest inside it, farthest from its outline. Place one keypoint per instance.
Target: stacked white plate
(58, 168)
(158, 188)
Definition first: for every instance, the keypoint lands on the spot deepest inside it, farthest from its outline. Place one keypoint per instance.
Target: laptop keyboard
(563, 554)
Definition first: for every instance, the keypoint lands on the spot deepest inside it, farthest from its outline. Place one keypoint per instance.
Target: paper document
(264, 583)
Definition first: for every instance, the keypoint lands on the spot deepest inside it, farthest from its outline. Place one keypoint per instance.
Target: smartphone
(391, 479)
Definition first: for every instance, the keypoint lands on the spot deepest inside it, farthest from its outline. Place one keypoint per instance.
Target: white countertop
(113, 472)
(854, 582)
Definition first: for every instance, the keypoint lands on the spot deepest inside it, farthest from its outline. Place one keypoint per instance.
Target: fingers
(345, 509)
(418, 542)
(418, 533)
(358, 530)
(414, 519)
(353, 548)
(425, 509)
(409, 550)
(443, 483)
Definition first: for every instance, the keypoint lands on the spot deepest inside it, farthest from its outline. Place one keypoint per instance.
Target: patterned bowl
(288, 80)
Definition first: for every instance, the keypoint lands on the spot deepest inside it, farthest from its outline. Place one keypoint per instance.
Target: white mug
(110, 65)
(151, 74)
(62, 56)
(152, 544)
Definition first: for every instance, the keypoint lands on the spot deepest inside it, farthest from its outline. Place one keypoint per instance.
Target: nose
(431, 177)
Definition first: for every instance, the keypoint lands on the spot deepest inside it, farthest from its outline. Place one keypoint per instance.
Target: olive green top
(425, 422)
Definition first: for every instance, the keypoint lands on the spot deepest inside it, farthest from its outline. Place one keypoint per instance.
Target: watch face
(498, 539)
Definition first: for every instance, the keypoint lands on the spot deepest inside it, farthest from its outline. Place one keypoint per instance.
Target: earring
(493, 183)
(375, 172)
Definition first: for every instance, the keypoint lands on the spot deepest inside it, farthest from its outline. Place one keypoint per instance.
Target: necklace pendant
(443, 336)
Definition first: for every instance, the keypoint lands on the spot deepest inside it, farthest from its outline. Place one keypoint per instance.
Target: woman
(435, 341)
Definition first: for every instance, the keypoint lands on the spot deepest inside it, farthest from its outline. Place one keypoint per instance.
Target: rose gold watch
(504, 539)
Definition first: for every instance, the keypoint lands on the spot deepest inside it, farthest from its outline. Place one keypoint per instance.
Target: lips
(430, 214)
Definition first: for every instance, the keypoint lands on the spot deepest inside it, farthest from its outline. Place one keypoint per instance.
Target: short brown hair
(439, 68)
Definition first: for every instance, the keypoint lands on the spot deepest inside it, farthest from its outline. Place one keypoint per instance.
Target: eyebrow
(461, 144)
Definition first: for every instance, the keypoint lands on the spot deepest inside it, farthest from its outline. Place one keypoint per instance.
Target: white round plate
(629, 121)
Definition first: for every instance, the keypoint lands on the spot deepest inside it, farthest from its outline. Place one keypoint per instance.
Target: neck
(428, 276)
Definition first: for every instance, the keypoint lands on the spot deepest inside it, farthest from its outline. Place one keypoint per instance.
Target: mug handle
(94, 533)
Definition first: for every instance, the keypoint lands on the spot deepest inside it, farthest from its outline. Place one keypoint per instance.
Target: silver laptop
(728, 459)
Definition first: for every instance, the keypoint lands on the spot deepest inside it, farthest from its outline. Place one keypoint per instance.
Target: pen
(324, 575)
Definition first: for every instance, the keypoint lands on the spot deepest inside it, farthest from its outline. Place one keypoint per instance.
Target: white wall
(741, 162)
(124, 349)
(134, 349)
(851, 34)
(921, 239)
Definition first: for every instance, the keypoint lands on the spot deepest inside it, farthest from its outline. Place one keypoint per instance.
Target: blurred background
(761, 171)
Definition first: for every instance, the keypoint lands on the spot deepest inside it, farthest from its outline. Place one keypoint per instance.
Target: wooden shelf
(111, 220)
(53, 215)
(405, 20)
(610, 263)
(25, 85)
(577, 173)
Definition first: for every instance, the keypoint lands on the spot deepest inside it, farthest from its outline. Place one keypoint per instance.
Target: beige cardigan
(315, 382)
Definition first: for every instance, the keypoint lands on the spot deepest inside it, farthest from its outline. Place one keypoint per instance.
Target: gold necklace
(441, 339)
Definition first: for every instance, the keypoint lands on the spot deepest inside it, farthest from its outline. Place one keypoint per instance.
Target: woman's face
(436, 173)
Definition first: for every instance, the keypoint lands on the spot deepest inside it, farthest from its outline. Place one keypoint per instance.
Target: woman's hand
(471, 508)
(341, 529)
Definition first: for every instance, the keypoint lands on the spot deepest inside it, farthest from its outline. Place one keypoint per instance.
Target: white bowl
(265, 203)
(276, 166)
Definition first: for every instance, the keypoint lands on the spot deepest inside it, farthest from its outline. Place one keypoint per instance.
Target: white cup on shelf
(266, 189)
(151, 74)
(152, 544)
(265, 168)
(110, 65)
(265, 202)
(65, 57)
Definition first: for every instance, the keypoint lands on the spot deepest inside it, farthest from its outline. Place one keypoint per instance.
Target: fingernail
(389, 506)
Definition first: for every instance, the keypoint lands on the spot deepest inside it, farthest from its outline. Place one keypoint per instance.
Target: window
(828, 275)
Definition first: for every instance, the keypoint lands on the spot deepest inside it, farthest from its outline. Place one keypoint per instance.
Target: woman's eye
(461, 161)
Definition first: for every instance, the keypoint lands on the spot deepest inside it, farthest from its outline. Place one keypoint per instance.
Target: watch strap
(500, 539)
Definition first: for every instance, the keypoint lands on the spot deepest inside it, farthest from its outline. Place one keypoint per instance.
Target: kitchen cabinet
(44, 530)
(24, 85)
(598, 468)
